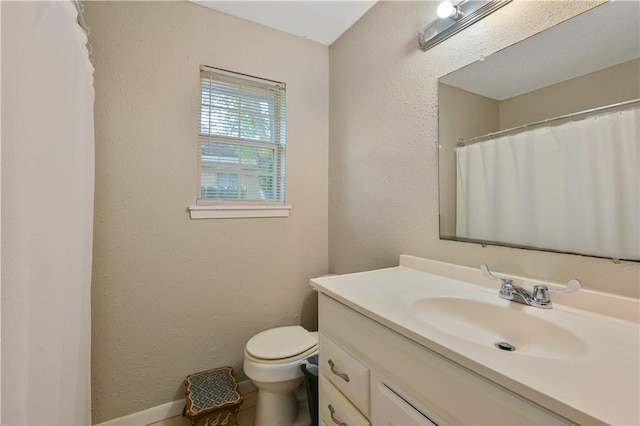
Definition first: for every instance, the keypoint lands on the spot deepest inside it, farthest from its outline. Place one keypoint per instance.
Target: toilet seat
(281, 344)
(272, 361)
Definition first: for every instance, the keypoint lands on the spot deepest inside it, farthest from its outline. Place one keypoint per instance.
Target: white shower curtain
(47, 214)
(574, 187)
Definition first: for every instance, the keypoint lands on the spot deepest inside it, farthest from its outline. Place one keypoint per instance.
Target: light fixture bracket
(467, 13)
(457, 14)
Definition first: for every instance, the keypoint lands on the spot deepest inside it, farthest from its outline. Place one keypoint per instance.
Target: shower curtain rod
(463, 142)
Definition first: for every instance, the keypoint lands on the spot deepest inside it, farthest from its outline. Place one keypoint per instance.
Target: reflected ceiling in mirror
(498, 186)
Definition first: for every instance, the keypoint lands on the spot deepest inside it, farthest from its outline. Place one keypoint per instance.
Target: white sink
(509, 327)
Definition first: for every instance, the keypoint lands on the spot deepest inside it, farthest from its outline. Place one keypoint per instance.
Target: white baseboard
(165, 411)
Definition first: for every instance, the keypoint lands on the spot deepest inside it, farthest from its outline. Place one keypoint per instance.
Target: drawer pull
(333, 417)
(343, 376)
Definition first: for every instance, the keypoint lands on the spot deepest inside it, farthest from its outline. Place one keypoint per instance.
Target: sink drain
(504, 346)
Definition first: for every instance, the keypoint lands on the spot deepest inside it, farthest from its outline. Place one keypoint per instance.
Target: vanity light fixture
(446, 9)
(454, 17)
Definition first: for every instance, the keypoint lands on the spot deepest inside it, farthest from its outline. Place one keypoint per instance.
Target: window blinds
(242, 138)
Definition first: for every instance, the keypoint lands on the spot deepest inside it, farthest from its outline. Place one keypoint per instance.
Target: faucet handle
(485, 271)
(572, 286)
(541, 293)
(487, 274)
(506, 289)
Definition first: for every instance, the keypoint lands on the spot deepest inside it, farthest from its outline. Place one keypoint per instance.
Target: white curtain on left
(47, 214)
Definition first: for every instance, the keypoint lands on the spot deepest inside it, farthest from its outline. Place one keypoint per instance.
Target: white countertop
(599, 385)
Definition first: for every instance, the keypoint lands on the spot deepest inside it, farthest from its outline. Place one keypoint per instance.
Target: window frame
(221, 207)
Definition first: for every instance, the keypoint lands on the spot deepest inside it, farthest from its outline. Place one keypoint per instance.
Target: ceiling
(319, 21)
(605, 36)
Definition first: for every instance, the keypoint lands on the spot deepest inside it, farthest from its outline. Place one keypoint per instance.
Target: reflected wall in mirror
(539, 142)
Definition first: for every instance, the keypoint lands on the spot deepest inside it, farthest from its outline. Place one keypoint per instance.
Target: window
(241, 142)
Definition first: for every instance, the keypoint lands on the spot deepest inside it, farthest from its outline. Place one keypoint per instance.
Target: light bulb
(446, 9)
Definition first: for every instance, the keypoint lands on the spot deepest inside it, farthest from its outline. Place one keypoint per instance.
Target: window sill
(237, 212)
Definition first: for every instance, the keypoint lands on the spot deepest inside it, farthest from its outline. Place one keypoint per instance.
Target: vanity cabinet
(389, 408)
(370, 374)
(344, 386)
(336, 409)
(349, 375)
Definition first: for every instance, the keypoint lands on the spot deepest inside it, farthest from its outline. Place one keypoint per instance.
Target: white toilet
(272, 360)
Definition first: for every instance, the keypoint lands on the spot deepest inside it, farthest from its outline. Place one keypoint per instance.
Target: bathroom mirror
(515, 148)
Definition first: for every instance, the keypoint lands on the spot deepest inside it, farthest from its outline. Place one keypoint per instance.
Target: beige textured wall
(172, 296)
(605, 87)
(383, 173)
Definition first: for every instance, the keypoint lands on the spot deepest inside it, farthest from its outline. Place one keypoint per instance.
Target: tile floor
(245, 416)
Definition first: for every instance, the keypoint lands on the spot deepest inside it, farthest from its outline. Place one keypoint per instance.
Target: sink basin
(506, 327)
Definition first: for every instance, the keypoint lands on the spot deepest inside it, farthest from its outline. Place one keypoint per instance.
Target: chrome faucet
(539, 298)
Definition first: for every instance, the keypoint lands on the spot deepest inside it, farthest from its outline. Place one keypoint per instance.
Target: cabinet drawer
(389, 408)
(348, 374)
(335, 409)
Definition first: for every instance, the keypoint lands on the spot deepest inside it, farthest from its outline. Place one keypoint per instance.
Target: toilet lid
(281, 342)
